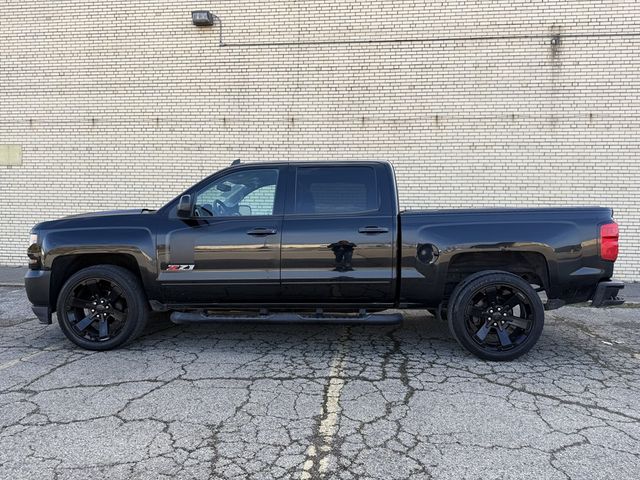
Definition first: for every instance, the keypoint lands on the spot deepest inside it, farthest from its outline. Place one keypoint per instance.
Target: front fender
(138, 242)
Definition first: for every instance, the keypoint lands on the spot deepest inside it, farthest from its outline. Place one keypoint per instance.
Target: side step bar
(283, 318)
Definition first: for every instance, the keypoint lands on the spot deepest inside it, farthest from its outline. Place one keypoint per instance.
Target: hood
(91, 219)
(105, 213)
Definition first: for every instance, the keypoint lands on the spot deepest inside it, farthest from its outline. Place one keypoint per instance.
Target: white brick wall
(123, 104)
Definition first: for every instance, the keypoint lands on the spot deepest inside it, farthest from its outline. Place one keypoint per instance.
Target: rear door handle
(262, 231)
(373, 230)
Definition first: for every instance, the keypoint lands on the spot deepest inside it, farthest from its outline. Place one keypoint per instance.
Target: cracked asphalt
(293, 401)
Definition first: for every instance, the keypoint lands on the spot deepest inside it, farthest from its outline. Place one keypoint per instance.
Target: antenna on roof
(235, 162)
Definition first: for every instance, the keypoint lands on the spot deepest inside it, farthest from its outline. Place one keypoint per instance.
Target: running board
(283, 318)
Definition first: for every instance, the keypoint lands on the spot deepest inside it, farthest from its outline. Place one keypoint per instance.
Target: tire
(496, 316)
(102, 307)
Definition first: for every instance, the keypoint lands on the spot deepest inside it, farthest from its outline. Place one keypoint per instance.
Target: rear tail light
(609, 241)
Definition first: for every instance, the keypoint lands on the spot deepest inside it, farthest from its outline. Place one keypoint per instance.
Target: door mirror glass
(184, 206)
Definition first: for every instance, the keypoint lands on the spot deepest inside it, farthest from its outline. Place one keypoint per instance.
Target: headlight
(34, 252)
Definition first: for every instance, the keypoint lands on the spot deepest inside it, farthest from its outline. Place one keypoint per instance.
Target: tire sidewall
(135, 305)
(457, 320)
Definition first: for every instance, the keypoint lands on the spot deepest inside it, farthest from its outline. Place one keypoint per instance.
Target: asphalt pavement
(302, 402)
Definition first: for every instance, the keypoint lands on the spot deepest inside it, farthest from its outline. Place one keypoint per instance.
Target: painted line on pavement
(319, 460)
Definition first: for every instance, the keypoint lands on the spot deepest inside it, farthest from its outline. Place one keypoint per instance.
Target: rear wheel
(102, 307)
(497, 316)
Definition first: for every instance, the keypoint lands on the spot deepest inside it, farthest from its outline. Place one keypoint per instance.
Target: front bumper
(43, 313)
(36, 284)
(606, 294)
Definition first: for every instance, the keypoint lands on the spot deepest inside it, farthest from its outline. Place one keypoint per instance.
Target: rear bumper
(606, 294)
(36, 284)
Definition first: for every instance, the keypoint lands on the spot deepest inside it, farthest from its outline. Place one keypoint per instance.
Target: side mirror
(185, 206)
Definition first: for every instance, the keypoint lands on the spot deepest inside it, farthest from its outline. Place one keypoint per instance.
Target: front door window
(239, 194)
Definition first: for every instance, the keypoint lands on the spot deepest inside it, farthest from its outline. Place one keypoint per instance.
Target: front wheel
(497, 316)
(102, 307)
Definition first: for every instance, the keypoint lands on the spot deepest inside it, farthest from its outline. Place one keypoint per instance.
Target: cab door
(228, 251)
(338, 239)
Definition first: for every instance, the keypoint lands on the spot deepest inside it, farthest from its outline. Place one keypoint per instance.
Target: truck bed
(559, 244)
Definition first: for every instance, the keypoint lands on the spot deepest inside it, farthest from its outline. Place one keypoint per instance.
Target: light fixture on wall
(204, 18)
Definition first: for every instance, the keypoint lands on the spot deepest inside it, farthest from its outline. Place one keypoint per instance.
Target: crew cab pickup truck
(319, 241)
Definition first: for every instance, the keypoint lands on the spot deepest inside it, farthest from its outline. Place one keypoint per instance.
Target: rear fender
(561, 243)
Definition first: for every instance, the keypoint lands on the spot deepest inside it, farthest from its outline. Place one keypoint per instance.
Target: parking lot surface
(319, 401)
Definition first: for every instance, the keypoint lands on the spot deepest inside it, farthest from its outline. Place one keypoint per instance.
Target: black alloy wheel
(498, 316)
(102, 307)
(97, 309)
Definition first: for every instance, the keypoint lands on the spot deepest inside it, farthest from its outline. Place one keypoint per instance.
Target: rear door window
(336, 190)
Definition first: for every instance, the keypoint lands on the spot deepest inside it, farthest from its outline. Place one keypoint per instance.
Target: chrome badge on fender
(176, 268)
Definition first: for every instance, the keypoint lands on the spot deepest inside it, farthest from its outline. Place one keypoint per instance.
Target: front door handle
(373, 230)
(262, 231)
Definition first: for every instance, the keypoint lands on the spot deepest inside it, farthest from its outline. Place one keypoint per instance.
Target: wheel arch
(66, 265)
(530, 266)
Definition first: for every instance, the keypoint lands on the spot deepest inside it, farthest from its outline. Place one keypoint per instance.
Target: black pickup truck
(325, 240)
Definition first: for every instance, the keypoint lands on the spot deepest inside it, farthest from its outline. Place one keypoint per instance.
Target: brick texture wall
(124, 104)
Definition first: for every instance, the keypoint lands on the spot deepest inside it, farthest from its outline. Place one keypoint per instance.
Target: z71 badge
(176, 268)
